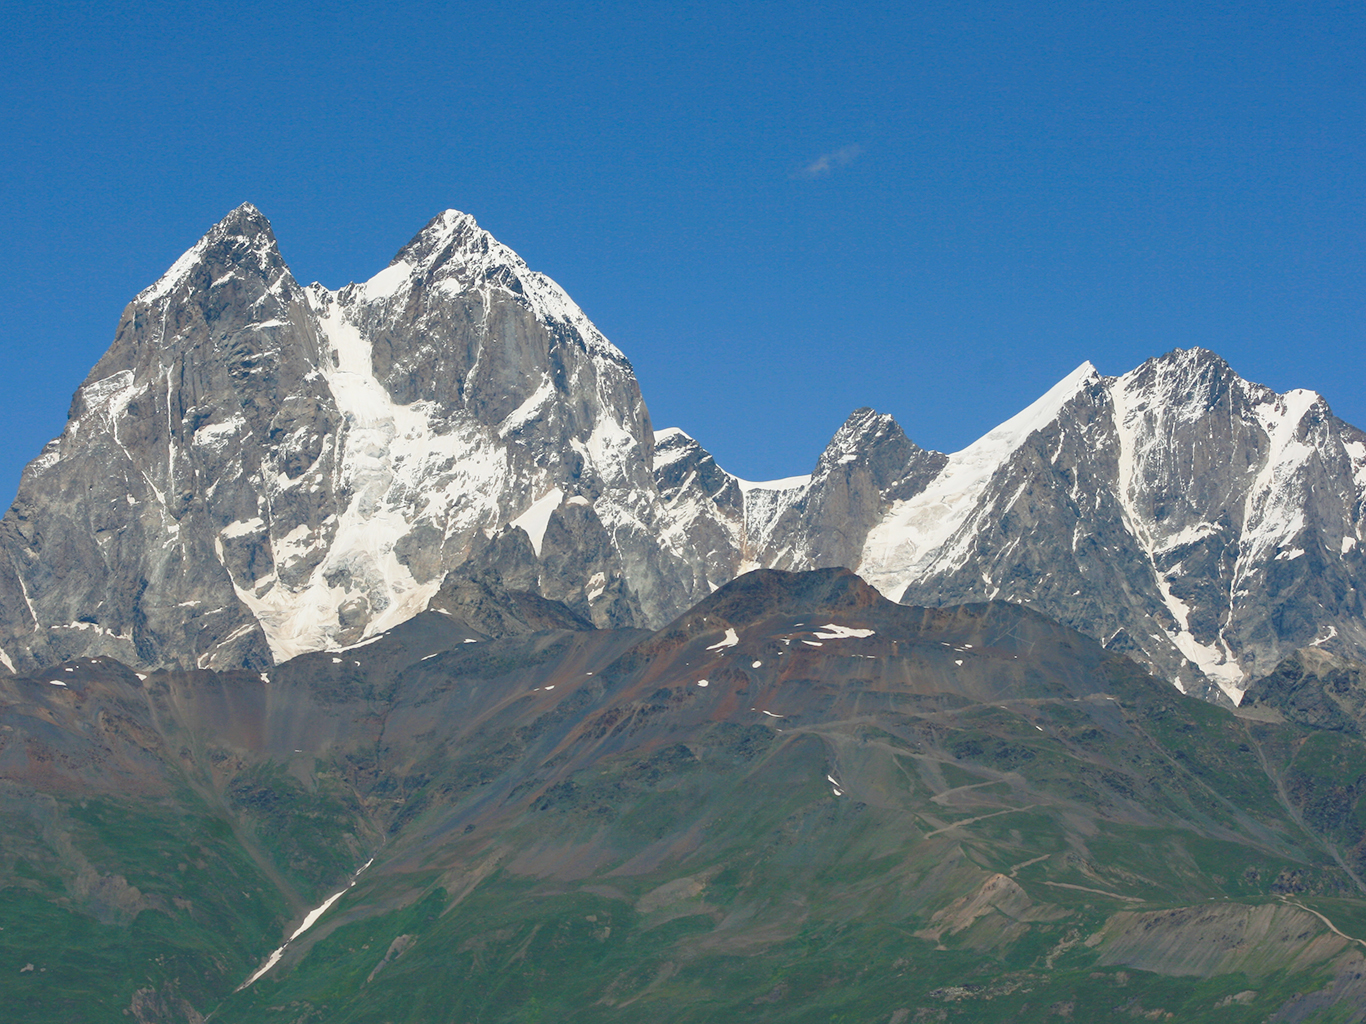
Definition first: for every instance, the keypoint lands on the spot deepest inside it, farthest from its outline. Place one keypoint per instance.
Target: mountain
(258, 469)
(795, 802)
(1204, 525)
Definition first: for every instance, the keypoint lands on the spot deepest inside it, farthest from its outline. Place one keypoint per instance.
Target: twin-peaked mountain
(258, 469)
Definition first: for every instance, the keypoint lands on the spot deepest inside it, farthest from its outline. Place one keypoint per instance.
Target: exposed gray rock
(868, 465)
(1315, 688)
(257, 470)
(480, 600)
(1206, 524)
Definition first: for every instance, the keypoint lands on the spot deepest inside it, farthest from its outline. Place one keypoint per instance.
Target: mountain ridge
(256, 469)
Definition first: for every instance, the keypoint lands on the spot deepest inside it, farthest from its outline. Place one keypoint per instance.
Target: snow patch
(536, 518)
(388, 281)
(390, 456)
(834, 632)
(242, 528)
(363, 643)
(308, 922)
(729, 640)
(526, 412)
(216, 435)
(178, 271)
(932, 531)
(1332, 632)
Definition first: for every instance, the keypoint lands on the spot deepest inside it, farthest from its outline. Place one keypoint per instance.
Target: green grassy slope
(967, 814)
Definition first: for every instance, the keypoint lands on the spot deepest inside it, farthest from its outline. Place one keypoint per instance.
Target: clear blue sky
(779, 211)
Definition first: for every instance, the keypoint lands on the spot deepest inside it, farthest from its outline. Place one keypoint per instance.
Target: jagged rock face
(122, 539)
(706, 506)
(1314, 688)
(256, 469)
(1202, 524)
(811, 522)
(868, 465)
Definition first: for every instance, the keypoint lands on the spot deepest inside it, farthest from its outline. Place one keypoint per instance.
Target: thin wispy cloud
(824, 164)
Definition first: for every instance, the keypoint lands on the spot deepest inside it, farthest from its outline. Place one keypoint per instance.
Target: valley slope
(795, 801)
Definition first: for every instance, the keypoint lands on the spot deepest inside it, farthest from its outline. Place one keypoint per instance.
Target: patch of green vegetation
(511, 954)
(309, 835)
(151, 898)
(956, 775)
(492, 659)
(45, 879)
(1325, 781)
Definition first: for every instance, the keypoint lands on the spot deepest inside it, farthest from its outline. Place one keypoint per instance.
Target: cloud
(827, 162)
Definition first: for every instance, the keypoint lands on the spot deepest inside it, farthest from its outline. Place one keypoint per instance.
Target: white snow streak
(834, 632)
(309, 921)
(1139, 442)
(932, 530)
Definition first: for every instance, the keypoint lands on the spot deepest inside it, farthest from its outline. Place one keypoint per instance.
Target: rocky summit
(259, 469)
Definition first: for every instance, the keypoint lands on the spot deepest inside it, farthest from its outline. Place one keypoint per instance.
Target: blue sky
(779, 211)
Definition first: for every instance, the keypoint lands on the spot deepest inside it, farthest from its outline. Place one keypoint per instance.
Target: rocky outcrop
(1317, 689)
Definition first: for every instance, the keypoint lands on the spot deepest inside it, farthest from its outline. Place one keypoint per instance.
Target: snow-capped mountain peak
(281, 469)
(1163, 511)
(255, 470)
(934, 528)
(243, 236)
